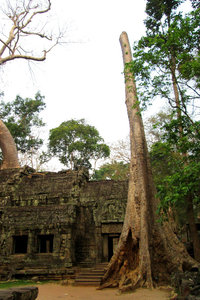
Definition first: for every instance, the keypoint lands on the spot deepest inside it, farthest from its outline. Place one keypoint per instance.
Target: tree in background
(76, 144)
(154, 125)
(120, 150)
(117, 166)
(164, 55)
(22, 119)
(21, 116)
(178, 186)
(114, 170)
(26, 22)
(166, 65)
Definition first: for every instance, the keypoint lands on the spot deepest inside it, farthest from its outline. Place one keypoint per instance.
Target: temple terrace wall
(52, 222)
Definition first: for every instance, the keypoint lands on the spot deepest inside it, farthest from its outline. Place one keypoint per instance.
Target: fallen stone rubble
(19, 293)
(187, 285)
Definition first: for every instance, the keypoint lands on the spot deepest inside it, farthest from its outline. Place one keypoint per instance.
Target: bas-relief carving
(113, 211)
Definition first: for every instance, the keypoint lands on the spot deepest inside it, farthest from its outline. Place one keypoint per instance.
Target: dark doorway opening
(112, 244)
(110, 247)
(20, 244)
(45, 243)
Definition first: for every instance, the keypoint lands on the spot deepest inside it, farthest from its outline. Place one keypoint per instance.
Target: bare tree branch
(24, 26)
(35, 13)
(5, 45)
(38, 34)
(28, 57)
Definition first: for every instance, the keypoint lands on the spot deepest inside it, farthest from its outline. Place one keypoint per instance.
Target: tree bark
(8, 147)
(148, 251)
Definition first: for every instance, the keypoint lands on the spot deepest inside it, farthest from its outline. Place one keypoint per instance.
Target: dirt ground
(52, 291)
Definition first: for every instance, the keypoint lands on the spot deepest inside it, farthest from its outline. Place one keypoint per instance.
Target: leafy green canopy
(156, 9)
(168, 55)
(21, 117)
(76, 143)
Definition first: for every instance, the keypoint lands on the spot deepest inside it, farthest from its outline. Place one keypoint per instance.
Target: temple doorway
(110, 242)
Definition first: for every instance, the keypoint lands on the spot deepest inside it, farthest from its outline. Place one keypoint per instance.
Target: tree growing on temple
(148, 251)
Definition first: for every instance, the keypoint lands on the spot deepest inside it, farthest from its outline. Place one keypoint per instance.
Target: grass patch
(13, 283)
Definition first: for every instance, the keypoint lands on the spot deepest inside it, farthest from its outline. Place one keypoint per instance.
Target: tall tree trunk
(8, 147)
(148, 251)
(176, 92)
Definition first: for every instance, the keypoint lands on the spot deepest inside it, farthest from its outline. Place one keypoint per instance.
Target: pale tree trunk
(175, 89)
(148, 251)
(8, 147)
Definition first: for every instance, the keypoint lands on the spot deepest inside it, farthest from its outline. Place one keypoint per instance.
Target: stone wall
(50, 222)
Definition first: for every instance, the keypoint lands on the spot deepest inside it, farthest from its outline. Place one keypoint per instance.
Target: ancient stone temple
(52, 222)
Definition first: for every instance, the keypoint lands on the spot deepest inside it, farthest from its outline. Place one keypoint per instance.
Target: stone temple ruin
(50, 223)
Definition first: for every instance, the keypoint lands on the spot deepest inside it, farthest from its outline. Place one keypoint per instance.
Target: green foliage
(177, 175)
(170, 48)
(188, 142)
(166, 66)
(156, 9)
(189, 65)
(164, 161)
(21, 117)
(114, 170)
(179, 186)
(76, 143)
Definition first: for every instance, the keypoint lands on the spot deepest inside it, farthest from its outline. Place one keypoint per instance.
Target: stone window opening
(20, 243)
(45, 243)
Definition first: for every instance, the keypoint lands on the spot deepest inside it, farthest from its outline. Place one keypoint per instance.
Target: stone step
(88, 279)
(87, 283)
(94, 271)
(91, 276)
